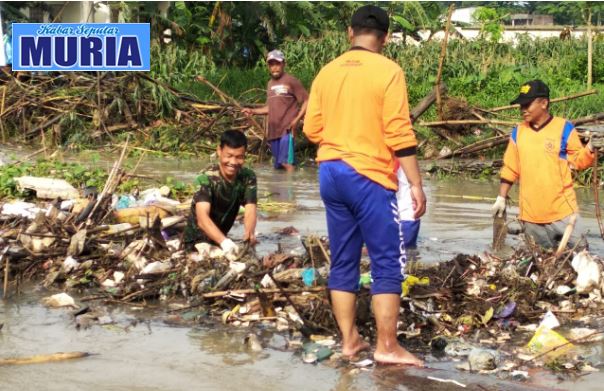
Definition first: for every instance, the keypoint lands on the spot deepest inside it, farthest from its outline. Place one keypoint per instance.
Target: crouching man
(223, 188)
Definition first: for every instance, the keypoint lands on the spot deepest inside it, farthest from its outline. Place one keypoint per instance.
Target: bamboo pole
(563, 98)
(589, 49)
(595, 186)
(1, 113)
(467, 122)
(256, 291)
(441, 61)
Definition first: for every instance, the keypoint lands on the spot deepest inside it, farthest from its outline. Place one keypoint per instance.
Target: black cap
(531, 90)
(370, 16)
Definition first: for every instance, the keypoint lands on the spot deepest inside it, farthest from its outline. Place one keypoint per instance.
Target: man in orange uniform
(541, 152)
(358, 113)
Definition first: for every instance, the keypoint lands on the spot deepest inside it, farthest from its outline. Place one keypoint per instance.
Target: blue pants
(411, 232)
(360, 210)
(283, 150)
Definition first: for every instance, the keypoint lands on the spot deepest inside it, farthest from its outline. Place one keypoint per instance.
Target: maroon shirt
(284, 95)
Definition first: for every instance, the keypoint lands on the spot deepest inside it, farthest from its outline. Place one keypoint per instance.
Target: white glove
(231, 250)
(498, 207)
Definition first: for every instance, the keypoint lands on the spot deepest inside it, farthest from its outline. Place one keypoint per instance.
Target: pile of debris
(55, 106)
(135, 256)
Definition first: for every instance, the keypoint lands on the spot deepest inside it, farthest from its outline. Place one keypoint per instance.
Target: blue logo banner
(81, 47)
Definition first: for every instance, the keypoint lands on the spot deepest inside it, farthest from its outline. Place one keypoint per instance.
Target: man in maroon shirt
(285, 105)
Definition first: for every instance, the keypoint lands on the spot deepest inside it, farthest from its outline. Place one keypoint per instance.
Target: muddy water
(141, 352)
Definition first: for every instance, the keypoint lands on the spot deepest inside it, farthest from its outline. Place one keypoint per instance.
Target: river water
(142, 352)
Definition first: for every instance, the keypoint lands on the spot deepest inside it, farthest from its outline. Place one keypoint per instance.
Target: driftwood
(589, 119)
(426, 102)
(478, 146)
(6, 272)
(563, 98)
(234, 102)
(43, 358)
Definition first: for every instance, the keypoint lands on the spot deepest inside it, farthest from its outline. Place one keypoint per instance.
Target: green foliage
(491, 27)
(487, 74)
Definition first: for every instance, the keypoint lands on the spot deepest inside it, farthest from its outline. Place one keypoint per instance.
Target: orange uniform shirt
(358, 112)
(535, 160)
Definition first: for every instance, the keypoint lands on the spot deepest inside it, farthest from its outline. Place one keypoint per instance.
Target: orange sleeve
(579, 157)
(398, 132)
(511, 169)
(313, 119)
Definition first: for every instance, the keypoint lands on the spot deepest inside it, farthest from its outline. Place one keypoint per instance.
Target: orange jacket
(541, 162)
(358, 112)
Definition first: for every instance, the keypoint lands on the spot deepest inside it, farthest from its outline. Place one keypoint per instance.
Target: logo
(280, 89)
(525, 89)
(81, 47)
(549, 145)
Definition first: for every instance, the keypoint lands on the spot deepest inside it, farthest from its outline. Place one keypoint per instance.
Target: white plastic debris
(118, 277)
(588, 271)
(108, 283)
(267, 282)
(207, 250)
(203, 249)
(237, 267)
(70, 264)
(584, 334)
(156, 267)
(59, 300)
(549, 321)
(363, 363)
(47, 188)
(20, 208)
(173, 245)
(67, 205)
(133, 254)
(562, 290)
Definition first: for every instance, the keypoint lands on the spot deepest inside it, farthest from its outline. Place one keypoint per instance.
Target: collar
(360, 48)
(543, 125)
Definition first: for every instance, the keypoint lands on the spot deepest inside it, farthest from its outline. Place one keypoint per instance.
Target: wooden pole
(441, 61)
(425, 103)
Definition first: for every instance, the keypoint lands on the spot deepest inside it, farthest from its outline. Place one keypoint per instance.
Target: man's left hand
(419, 201)
(250, 237)
(293, 126)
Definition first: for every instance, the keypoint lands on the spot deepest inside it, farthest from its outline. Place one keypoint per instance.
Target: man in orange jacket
(540, 155)
(358, 113)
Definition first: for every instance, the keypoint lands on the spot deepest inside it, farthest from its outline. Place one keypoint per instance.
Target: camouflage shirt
(224, 197)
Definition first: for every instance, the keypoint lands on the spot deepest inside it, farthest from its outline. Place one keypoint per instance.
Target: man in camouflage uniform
(223, 188)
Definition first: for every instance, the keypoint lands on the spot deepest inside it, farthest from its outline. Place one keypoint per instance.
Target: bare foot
(398, 355)
(356, 346)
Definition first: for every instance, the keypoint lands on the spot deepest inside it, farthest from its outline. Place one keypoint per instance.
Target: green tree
(491, 26)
